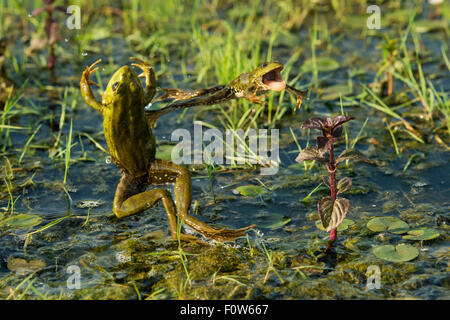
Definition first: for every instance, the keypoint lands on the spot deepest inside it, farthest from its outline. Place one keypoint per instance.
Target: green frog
(247, 85)
(131, 142)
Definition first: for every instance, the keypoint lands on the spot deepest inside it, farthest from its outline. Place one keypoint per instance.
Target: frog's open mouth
(273, 80)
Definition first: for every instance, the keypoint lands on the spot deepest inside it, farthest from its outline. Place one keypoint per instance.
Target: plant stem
(332, 171)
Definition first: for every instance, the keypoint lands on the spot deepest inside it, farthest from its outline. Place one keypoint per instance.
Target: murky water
(134, 257)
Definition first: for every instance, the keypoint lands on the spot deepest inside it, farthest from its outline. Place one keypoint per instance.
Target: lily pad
(251, 190)
(400, 253)
(324, 64)
(422, 234)
(21, 221)
(391, 224)
(343, 226)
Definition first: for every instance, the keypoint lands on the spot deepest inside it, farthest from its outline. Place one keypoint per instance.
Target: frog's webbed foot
(85, 87)
(150, 78)
(298, 94)
(255, 99)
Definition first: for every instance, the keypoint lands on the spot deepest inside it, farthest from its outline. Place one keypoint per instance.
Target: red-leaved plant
(332, 209)
(51, 28)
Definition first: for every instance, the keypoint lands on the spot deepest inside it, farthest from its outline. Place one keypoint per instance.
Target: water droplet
(84, 54)
(30, 15)
(108, 160)
(66, 40)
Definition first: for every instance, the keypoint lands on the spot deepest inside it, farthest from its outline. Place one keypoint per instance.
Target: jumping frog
(132, 147)
(247, 85)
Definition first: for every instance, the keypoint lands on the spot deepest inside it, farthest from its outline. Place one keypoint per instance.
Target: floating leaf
(251, 190)
(332, 213)
(422, 234)
(400, 253)
(343, 226)
(323, 64)
(276, 221)
(352, 154)
(21, 221)
(344, 184)
(311, 153)
(391, 224)
(23, 267)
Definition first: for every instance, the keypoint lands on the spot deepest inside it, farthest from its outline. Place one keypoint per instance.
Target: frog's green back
(130, 140)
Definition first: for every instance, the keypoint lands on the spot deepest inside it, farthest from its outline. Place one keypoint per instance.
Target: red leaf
(313, 123)
(340, 120)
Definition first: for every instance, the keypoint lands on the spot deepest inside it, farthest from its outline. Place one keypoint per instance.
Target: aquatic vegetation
(421, 234)
(51, 28)
(332, 209)
(345, 224)
(23, 267)
(20, 221)
(56, 167)
(400, 253)
(251, 190)
(391, 224)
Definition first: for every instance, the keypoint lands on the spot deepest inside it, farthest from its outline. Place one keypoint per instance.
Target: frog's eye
(115, 86)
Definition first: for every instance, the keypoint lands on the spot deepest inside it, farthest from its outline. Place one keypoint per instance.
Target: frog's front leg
(164, 171)
(150, 78)
(131, 198)
(85, 86)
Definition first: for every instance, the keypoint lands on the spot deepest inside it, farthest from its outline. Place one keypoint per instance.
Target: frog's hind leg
(180, 94)
(164, 171)
(131, 198)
